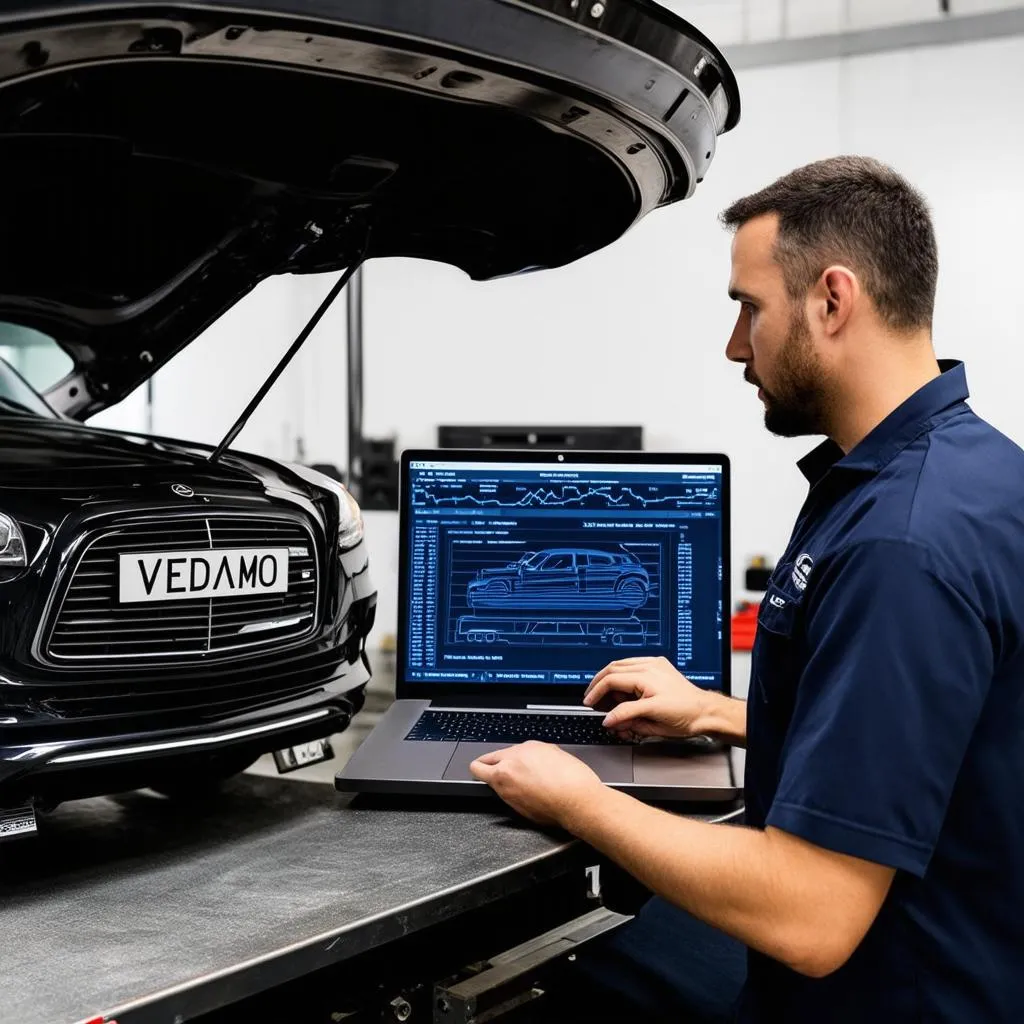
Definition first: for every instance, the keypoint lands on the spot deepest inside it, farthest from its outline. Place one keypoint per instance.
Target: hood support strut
(306, 331)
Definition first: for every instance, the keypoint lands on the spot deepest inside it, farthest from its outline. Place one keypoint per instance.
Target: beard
(799, 402)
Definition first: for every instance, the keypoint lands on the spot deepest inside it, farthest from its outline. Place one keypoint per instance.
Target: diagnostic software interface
(544, 573)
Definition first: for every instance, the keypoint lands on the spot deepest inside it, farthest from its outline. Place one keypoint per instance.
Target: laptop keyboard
(501, 727)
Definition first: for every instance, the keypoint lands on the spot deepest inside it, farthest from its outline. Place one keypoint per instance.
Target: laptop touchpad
(612, 764)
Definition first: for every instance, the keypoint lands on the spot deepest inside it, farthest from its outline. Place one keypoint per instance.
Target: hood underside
(159, 162)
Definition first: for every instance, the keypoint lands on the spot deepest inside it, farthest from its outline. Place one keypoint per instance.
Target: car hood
(68, 458)
(162, 159)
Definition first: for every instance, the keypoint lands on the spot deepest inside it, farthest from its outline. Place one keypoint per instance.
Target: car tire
(632, 593)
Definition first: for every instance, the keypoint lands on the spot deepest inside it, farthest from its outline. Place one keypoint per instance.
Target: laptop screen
(538, 570)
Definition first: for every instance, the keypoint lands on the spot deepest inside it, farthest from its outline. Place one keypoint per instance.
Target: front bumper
(49, 772)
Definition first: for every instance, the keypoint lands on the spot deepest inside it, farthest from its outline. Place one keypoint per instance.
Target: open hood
(160, 160)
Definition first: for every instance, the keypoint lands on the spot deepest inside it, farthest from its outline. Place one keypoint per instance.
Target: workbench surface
(125, 905)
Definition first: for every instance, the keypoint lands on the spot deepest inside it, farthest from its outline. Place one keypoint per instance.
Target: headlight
(12, 544)
(350, 516)
(350, 529)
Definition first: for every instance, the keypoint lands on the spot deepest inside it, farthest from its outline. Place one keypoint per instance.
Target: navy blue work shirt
(886, 713)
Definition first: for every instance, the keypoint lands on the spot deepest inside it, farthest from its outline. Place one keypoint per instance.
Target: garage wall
(199, 394)
(729, 22)
(636, 333)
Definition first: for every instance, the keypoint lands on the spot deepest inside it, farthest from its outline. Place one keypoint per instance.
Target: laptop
(521, 575)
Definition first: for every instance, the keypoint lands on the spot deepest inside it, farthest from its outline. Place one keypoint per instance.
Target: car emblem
(183, 490)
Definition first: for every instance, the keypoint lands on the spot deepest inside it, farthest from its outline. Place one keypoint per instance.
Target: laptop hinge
(478, 701)
(473, 704)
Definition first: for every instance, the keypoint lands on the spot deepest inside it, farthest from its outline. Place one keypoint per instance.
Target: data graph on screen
(441, 495)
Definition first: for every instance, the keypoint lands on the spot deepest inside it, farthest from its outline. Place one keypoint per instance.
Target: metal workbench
(143, 910)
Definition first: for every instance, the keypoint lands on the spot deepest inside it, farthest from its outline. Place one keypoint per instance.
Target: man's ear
(839, 289)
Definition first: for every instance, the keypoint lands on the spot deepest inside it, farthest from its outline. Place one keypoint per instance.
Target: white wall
(201, 392)
(753, 21)
(636, 333)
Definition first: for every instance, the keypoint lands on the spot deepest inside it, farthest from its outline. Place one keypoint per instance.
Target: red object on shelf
(744, 626)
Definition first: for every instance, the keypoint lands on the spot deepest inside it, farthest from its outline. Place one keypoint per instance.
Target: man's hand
(540, 781)
(650, 698)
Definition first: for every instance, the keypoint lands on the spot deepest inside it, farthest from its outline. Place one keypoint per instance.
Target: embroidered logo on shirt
(776, 601)
(802, 571)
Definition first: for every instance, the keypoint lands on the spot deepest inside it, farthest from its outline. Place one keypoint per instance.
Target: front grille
(92, 625)
(203, 694)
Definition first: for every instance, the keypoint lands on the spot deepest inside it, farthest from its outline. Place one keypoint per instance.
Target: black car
(165, 620)
(159, 161)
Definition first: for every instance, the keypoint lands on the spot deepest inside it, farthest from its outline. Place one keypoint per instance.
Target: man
(879, 876)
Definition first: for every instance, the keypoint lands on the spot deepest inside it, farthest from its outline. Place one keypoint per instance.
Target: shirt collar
(902, 426)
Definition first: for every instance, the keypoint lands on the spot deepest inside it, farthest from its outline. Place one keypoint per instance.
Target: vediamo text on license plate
(185, 575)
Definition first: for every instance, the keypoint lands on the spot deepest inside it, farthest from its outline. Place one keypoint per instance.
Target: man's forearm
(724, 718)
(769, 890)
(716, 872)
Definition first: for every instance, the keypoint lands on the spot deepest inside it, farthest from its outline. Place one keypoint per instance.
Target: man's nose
(738, 350)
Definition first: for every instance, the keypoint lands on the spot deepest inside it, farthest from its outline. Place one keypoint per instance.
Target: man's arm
(724, 718)
(798, 903)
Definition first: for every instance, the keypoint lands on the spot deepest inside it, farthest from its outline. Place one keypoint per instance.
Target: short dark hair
(857, 211)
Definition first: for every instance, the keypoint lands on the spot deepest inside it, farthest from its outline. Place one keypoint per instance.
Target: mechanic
(878, 876)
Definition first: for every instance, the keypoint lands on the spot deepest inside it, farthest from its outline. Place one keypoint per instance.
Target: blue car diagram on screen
(558, 596)
(564, 579)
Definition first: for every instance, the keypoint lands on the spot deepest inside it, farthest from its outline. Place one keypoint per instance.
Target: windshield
(30, 362)
(16, 397)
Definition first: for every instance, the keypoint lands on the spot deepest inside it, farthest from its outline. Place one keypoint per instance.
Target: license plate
(188, 575)
(17, 821)
(314, 752)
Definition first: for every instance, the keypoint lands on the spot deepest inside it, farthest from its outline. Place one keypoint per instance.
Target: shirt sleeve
(899, 667)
